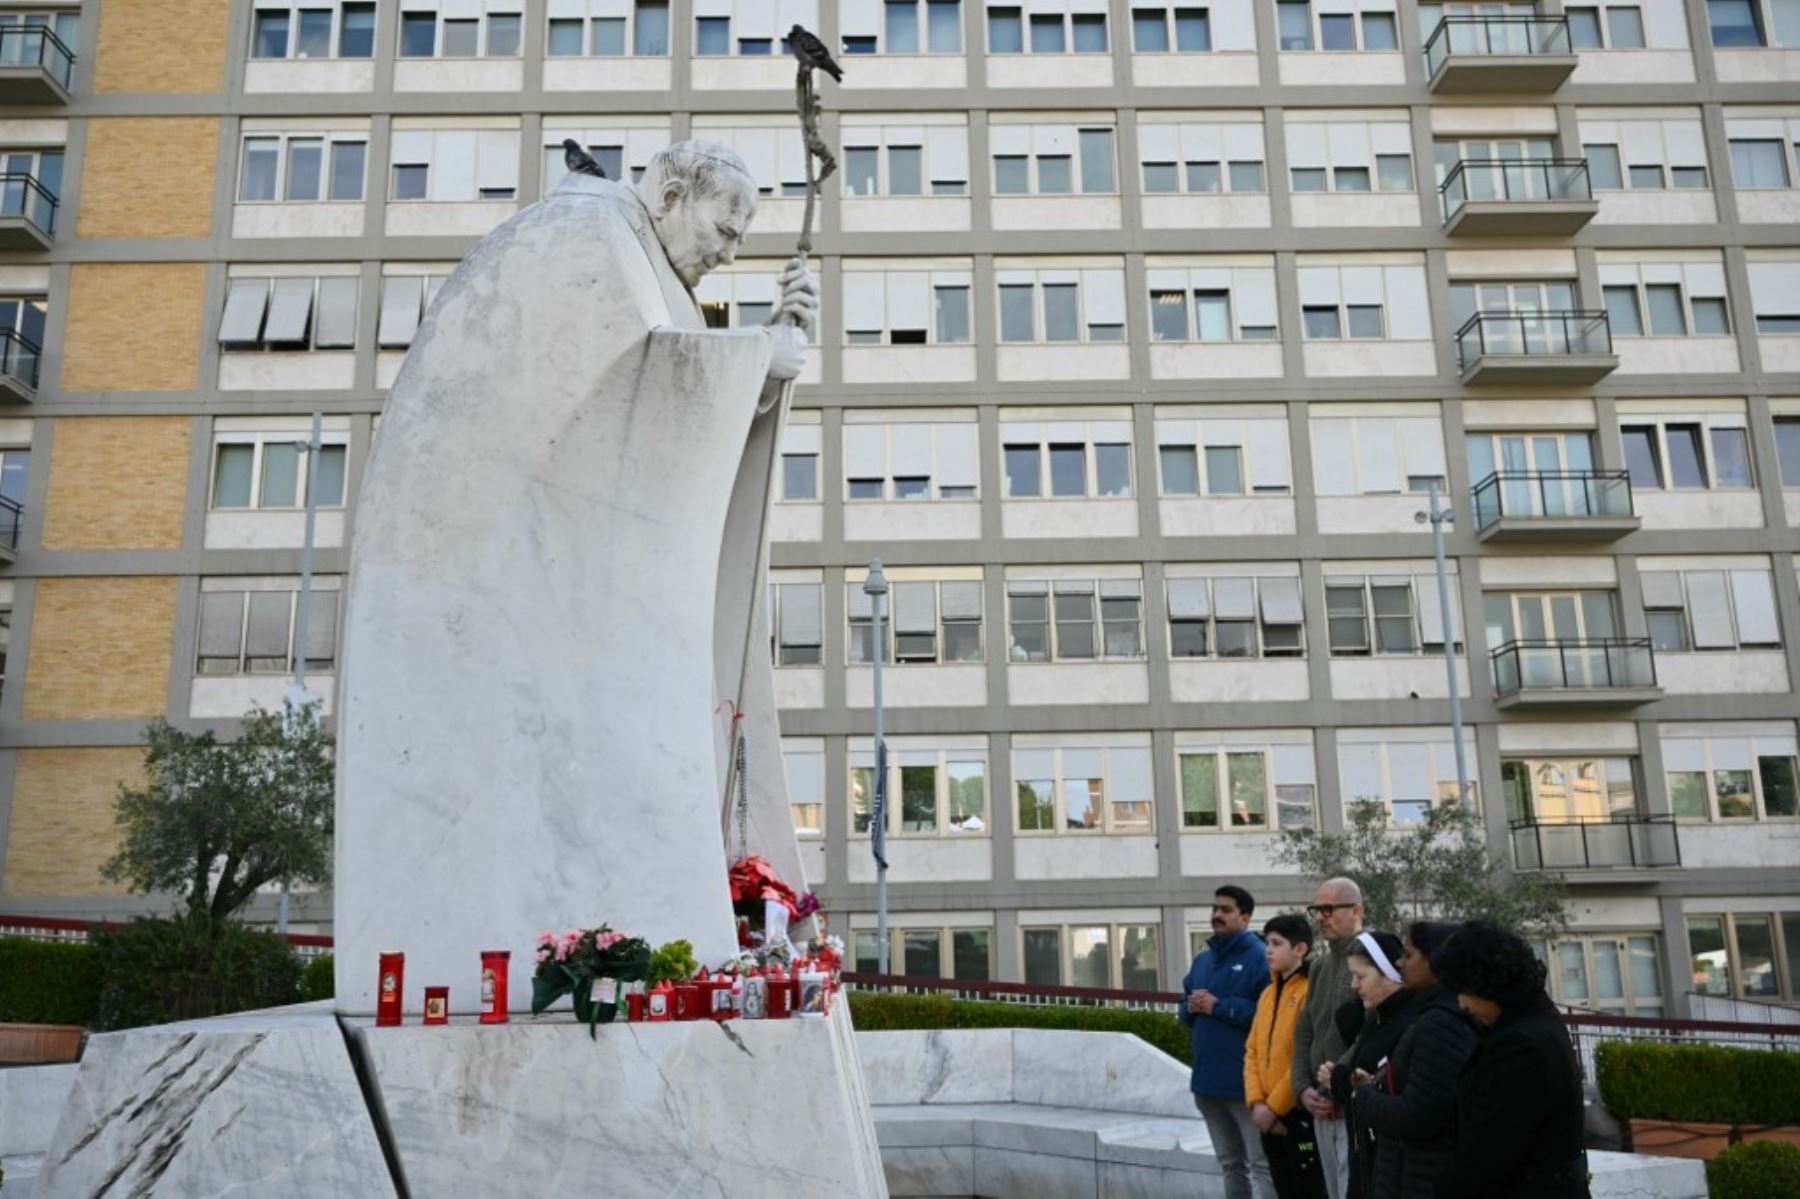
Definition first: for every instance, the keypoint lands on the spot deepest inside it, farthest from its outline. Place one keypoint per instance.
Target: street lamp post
(1438, 518)
(876, 588)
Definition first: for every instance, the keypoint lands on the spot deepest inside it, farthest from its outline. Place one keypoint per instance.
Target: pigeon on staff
(812, 52)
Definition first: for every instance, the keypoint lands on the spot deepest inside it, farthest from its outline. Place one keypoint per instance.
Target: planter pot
(1702, 1142)
(39, 1044)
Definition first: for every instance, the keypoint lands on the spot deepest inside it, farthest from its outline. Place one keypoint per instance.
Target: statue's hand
(789, 345)
(799, 295)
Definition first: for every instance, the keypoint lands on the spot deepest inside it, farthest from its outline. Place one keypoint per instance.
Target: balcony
(27, 213)
(1544, 349)
(1604, 672)
(12, 516)
(1517, 197)
(1620, 843)
(18, 368)
(1499, 54)
(36, 67)
(1532, 505)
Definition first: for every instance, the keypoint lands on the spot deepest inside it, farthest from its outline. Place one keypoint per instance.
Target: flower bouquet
(588, 964)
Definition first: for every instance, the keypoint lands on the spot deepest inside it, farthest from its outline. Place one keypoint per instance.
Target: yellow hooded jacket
(1269, 1051)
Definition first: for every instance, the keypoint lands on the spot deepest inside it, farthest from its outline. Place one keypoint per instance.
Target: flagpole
(876, 588)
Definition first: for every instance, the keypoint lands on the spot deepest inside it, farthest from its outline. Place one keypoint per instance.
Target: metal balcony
(1499, 54)
(1606, 672)
(36, 67)
(1517, 197)
(1618, 843)
(1535, 505)
(27, 213)
(1546, 349)
(18, 368)
(12, 516)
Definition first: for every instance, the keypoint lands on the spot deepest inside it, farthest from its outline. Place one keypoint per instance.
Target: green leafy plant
(189, 966)
(1755, 1170)
(1704, 1084)
(873, 1011)
(672, 962)
(573, 963)
(48, 982)
(319, 979)
(1440, 867)
(216, 820)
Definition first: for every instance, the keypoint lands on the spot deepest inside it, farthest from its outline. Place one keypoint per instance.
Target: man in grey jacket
(1337, 908)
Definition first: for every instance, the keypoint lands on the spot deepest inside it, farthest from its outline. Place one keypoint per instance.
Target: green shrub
(48, 982)
(1706, 1084)
(876, 1012)
(188, 967)
(319, 980)
(1755, 1170)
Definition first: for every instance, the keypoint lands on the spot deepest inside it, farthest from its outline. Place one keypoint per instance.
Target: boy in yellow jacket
(1287, 1132)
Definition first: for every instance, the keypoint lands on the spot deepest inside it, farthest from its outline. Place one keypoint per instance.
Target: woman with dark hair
(1412, 1112)
(1387, 1010)
(1518, 1104)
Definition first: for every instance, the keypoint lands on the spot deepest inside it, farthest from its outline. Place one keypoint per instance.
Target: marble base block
(264, 1103)
(697, 1109)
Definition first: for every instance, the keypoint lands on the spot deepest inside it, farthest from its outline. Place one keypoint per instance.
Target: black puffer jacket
(1413, 1116)
(1518, 1113)
(1373, 1051)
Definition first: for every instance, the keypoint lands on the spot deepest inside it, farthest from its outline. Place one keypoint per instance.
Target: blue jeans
(1238, 1146)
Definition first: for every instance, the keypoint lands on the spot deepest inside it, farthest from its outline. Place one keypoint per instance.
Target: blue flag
(878, 821)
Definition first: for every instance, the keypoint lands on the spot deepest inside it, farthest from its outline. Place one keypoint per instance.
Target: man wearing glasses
(1338, 911)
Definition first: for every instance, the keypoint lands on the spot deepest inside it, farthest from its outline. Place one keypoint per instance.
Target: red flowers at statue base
(754, 881)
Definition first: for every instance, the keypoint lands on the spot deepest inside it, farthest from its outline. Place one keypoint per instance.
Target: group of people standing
(1349, 1063)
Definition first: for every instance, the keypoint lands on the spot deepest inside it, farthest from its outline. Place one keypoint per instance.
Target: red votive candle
(389, 988)
(494, 968)
(437, 1005)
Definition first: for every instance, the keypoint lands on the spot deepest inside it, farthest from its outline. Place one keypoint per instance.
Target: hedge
(48, 982)
(875, 1011)
(1755, 1170)
(1704, 1084)
(318, 981)
(157, 970)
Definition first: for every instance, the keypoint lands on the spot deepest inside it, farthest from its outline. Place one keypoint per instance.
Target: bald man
(1337, 909)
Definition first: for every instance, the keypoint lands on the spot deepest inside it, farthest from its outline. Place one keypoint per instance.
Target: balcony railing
(1532, 334)
(12, 515)
(1496, 37)
(1515, 181)
(1596, 664)
(37, 46)
(1621, 842)
(19, 358)
(22, 195)
(1551, 495)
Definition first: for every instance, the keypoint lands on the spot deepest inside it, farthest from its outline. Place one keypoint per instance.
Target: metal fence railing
(12, 516)
(1547, 334)
(1023, 994)
(1596, 663)
(1515, 180)
(19, 357)
(55, 928)
(1495, 37)
(1617, 841)
(36, 45)
(1742, 1011)
(1551, 494)
(22, 195)
(1587, 1029)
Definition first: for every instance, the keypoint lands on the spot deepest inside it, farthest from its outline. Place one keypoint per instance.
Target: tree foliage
(1440, 868)
(216, 820)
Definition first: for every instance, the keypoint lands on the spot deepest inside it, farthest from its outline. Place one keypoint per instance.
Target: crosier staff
(811, 55)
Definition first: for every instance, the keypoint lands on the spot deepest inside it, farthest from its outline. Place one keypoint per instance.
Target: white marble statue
(555, 581)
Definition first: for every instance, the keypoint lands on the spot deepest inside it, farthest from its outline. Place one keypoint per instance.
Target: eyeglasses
(1326, 909)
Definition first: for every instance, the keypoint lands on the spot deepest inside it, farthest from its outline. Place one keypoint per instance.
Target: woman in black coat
(1518, 1104)
(1387, 1013)
(1412, 1113)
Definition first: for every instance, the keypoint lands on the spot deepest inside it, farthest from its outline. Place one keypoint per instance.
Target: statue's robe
(556, 577)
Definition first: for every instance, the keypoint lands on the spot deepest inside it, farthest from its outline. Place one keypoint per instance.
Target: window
(892, 456)
(1736, 24)
(1385, 302)
(1775, 295)
(1609, 27)
(1656, 154)
(1748, 955)
(1082, 786)
(1202, 159)
(1049, 32)
(1759, 163)
(1212, 304)
(1298, 27)
(1405, 770)
(1665, 299)
(803, 764)
(901, 27)
(302, 168)
(796, 622)
(1079, 459)
(643, 26)
(933, 790)
(1787, 448)
(454, 165)
(956, 953)
(1151, 28)
(1617, 974)
(289, 313)
(320, 29)
(1684, 453)
(493, 31)
(1240, 782)
(1084, 955)
(800, 445)
(1061, 305)
(248, 626)
(1747, 772)
(1569, 791)
(404, 299)
(1052, 160)
(1377, 455)
(623, 153)
(1075, 620)
(274, 470)
(924, 620)
(906, 307)
(1222, 455)
(1388, 615)
(1700, 610)
(1350, 156)
(1231, 617)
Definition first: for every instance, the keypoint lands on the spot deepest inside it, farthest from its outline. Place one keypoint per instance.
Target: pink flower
(546, 939)
(607, 940)
(562, 950)
(543, 954)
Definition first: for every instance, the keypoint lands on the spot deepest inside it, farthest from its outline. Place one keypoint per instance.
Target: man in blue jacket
(1221, 989)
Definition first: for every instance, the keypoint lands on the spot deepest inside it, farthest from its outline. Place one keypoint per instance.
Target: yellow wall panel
(148, 176)
(133, 326)
(161, 46)
(116, 483)
(62, 828)
(100, 648)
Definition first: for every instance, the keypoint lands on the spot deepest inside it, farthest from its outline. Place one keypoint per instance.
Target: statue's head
(702, 198)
